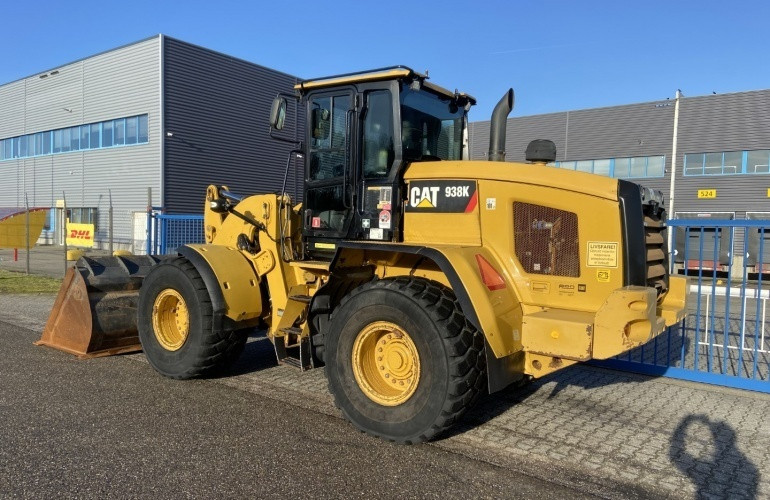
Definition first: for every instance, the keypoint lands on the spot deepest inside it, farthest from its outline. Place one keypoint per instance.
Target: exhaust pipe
(497, 127)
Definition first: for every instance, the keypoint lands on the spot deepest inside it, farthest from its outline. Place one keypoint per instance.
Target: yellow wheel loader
(418, 278)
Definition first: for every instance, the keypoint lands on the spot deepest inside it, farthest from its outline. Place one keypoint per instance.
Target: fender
(232, 283)
(495, 313)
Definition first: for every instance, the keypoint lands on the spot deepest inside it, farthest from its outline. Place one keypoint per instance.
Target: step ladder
(292, 342)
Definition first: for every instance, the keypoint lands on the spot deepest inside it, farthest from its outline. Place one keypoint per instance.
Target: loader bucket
(95, 311)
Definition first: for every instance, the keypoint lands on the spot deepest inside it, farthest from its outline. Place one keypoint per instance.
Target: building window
(727, 163)
(621, 168)
(119, 132)
(85, 215)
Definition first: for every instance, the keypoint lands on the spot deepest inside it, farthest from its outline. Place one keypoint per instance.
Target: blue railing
(168, 232)
(723, 340)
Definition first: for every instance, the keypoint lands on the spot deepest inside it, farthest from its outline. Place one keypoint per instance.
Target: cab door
(328, 174)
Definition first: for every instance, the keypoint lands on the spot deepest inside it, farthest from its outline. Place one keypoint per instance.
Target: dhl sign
(80, 235)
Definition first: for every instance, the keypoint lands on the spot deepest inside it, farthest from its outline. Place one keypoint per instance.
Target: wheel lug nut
(387, 375)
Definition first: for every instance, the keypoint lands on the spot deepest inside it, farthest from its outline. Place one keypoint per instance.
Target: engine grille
(655, 243)
(546, 240)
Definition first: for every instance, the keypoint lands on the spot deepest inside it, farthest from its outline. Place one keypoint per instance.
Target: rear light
(489, 276)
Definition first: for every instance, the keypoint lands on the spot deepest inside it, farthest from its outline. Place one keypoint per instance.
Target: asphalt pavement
(112, 427)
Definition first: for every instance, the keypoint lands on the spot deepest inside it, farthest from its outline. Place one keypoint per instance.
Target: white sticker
(375, 234)
(491, 203)
(365, 223)
(536, 267)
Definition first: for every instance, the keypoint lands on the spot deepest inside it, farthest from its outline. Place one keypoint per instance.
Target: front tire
(180, 334)
(402, 361)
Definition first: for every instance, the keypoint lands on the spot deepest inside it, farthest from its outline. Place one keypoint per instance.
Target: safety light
(489, 276)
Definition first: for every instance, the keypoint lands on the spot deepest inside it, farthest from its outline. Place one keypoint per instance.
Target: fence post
(26, 232)
(110, 216)
(64, 229)
(149, 221)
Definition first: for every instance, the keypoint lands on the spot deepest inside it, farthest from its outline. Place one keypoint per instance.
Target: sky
(556, 55)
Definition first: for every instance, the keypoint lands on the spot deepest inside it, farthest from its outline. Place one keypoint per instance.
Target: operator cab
(363, 129)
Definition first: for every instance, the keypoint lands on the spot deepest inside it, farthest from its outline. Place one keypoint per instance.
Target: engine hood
(523, 173)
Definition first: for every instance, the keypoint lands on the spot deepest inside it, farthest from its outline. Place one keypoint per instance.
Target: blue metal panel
(169, 232)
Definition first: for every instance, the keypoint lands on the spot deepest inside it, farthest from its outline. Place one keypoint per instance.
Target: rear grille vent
(546, 240)
(655, 243)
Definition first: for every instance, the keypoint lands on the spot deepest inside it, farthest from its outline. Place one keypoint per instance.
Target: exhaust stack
(497, 127)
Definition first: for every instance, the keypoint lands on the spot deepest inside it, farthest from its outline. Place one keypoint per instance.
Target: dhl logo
(80, 234)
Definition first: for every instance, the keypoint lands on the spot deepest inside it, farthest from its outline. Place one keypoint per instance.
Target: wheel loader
(420, 279)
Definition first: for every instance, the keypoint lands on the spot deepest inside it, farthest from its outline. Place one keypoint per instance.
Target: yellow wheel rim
(170, 319)
(386, 363)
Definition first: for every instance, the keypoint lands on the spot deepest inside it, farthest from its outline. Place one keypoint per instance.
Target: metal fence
(168, 232)
(724, 340)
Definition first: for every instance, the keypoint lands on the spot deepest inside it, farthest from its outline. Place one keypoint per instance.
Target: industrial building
(722, 150)
(165, 117)
(153, 122)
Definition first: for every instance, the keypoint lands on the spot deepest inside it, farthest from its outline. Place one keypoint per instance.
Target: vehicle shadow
(705, 451)
(258, 355)
(580, 375)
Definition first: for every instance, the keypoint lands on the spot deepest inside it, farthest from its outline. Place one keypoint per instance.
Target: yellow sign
(707, 193)
(602, 254)
(603, 275)
(13, 227)
(80, 235)
(768, 192)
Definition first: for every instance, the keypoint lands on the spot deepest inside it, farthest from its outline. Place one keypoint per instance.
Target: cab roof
(389, 73)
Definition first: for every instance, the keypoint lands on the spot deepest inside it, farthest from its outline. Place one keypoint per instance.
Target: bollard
(15, 254)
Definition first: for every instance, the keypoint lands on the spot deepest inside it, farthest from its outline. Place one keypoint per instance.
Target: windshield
(431, 126)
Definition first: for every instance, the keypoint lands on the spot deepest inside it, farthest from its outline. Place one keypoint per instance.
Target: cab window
(328, 117)
(378, 145)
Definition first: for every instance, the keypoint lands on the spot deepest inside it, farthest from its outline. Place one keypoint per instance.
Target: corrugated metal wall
(217, 109)
(119, 83)
(728, 122)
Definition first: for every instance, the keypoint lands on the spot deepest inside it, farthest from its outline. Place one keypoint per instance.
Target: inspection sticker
(602, 254)
(603, 275)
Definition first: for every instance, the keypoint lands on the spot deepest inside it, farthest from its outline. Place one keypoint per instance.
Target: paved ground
(74, 429)
(590, 430)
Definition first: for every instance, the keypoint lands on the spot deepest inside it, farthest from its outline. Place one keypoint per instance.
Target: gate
(168, 232)
(724, 340)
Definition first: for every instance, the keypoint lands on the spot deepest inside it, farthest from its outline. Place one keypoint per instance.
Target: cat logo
(442, 196)
(424, 197)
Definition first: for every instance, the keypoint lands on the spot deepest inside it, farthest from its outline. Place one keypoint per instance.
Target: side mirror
(278, 113)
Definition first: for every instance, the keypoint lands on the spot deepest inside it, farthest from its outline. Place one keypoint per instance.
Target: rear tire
(402, 361)
(177, 327)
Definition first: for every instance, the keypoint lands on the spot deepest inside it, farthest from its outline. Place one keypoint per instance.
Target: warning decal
(602, 254)
(442, 196)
